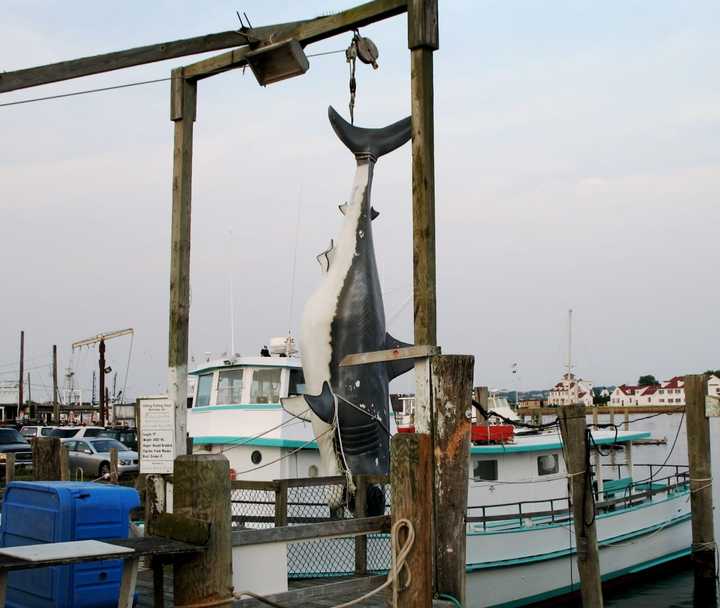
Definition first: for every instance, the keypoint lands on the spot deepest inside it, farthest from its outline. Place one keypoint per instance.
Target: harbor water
(672, 585)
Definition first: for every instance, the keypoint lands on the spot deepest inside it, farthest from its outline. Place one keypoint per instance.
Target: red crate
(493, 433)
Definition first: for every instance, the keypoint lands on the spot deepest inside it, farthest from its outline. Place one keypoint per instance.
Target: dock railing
(304, 506)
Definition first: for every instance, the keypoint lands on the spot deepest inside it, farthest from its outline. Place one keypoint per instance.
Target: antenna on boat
(569, 360)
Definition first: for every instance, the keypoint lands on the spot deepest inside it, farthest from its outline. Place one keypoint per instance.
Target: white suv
(30, 432)
(66, 432)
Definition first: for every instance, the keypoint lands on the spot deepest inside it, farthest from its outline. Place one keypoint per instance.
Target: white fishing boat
(520, 537)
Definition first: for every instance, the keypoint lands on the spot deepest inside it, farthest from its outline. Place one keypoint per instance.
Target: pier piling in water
(412, 485)
(574, 435)
(698, 440)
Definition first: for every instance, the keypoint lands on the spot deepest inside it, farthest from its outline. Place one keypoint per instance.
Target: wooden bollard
(698, 439)
(202, 491)
(452, 380)
(411, 479)
(573, 428)
(9, 468)
(47, 456)
(114, 475)
(361, 544)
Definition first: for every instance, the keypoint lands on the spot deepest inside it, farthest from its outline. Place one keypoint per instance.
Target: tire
(104, 469)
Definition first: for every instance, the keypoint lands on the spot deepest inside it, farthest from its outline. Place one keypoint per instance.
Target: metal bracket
(712, 406)
(393, 354)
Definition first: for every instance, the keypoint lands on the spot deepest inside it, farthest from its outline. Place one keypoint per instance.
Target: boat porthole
(312, 471)
(256, 457)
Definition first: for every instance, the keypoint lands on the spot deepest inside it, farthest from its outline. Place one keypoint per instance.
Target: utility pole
(22, 369)
(107, 407)
(701, 503)
(574, 435)
(29, 399)
(101, 364)
(56, 403)
(92, 396)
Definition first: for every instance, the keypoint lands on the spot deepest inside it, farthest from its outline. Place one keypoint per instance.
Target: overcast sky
(578, 166)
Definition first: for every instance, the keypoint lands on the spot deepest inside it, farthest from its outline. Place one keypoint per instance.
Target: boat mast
(569, 359)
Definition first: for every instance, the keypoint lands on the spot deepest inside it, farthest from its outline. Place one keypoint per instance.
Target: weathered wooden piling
(411, 479)
(698, 440)
(49, 459)
(202, 492)
(9, 468)
(452, 380)
(574, 434)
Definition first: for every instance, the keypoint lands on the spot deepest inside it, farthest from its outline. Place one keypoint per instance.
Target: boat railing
(609, 498)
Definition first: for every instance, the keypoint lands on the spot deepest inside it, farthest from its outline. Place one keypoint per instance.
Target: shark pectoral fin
(344, 207)
(323, 405)
(295, 406)
(373, 213)
(399, 367)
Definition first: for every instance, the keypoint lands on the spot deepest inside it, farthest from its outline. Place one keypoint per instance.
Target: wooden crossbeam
(393, 354)
(305, 32)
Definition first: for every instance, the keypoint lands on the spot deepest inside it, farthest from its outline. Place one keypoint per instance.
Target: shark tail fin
(370, 143)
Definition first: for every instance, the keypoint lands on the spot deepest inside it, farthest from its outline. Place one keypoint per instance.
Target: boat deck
(311, 598)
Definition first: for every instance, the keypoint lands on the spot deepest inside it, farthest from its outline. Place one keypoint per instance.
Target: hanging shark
(345, 315)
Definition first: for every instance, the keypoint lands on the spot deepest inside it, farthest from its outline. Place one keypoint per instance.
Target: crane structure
(100, 340)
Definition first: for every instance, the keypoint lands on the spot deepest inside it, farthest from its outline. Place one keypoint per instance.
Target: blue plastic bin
(56, 511)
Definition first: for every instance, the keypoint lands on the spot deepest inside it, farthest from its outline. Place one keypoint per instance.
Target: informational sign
(157, 435)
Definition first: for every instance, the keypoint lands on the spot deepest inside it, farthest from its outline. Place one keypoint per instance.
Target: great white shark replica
(345, 315)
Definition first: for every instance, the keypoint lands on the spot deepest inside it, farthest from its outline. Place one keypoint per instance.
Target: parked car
(124, 435)
(13, 442)
(30, 431)
(92, 456)
(65, 432)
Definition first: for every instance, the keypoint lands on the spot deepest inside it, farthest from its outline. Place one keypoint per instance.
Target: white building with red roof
(571, 390)
(625, 395)
(670, 392)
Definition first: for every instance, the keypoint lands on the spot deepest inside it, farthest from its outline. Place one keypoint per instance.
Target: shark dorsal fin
(325, 258)
(399, 367)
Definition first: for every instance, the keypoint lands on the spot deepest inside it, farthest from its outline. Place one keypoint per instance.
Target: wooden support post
(202, 491)
(127, 582)
(422, 42)
(47, 456)
(574, 435)
(595, 418)
(9, 468)
(411, 479)
(626, 422)
(114, 475)
(158, 583)
(361, 486)
(182, 112)
(613, 458)
(452, 381)
(64, 464)
(698, 439)
(281, 503)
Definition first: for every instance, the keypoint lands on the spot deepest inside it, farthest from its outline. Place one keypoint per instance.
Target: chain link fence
(314, 500)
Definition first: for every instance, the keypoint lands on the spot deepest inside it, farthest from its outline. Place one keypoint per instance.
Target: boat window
(203, 390)
(230, 386)
(265, 386)
(485, 470)
(548, 464)
(297, 382)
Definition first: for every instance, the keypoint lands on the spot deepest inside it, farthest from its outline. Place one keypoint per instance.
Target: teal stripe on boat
(509, 448)
(261, 441)
(560, 591)
(567, 552)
